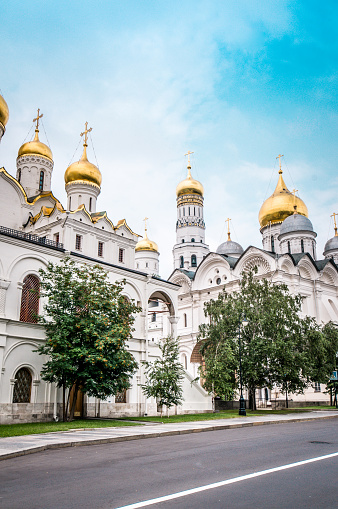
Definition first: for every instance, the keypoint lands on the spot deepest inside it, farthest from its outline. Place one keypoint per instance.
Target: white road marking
(224, 483)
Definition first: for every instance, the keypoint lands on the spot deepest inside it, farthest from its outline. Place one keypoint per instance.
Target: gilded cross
(188, 154)
(228, 221)
(335, 223)
(37, 119)
(85, 133)
(280, 162)
(145, 223)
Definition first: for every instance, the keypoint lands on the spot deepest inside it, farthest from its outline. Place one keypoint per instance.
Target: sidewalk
(12, 447)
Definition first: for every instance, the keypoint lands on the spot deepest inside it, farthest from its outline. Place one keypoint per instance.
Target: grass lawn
(226, 414)
(13, 430)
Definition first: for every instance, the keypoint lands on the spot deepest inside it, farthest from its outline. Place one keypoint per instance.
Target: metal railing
(30, 237)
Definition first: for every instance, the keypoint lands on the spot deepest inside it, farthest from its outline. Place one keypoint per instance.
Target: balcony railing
(30, 237)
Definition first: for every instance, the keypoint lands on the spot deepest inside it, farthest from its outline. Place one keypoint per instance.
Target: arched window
(90, 204)
(70, 203)
(182, 241)
(23, 386)
(30, 299)
(272, 244)
(193, 261)
(192, 240)
(185, 320)
(289, 247)
(42, 177)
(302, 245)
(19, 176)
(181, 262)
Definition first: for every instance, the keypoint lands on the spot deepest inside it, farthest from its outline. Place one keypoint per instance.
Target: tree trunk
(286, 399)
(72, 410)
(252, 398)
(63, 401)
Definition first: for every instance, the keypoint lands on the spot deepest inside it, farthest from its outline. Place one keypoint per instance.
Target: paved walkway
(12, 447)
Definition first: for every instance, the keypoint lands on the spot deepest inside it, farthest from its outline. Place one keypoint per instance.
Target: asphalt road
(116, 475)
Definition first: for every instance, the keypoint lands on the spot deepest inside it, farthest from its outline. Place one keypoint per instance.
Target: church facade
(288, 255)
(36, 229)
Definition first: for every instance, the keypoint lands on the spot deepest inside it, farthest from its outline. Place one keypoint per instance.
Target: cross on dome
(280, 162)
(85, 133)
(335, 223)
(228, 221)
(37, 120)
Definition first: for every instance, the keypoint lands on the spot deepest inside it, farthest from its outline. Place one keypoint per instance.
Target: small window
(100, 249)
(147, 264)
(189, 211)
(183, 211)
(302, 245)
(70, 203)
(42, 176)
(19, 176)
(23, 386)
(121, 397)
(78, 242)
(121, 255)
(289, 247)
(272, 244)
(316, 387)
(182, 241)
(193, 261)
(137, 265)
(57, 237)
(192, 240)
(153, 317)
(185, 320)
(218, 281)
(181, 262)
(90, 204)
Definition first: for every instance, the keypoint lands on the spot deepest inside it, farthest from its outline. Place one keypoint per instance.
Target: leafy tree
(275, 343)
(87, 322)
(164, 376)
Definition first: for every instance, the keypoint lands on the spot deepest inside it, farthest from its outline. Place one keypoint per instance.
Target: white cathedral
(36, 229)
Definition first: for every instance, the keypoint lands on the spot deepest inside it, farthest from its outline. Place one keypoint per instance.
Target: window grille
(121, 397)
(78, 242)
(100, 249)
(42, 176)
(23, 386)
(121, 255)
(30, 299)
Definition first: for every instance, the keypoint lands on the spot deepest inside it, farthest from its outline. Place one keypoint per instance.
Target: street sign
(334, 377)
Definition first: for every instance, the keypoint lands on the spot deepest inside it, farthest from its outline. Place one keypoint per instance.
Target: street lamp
(242, 321)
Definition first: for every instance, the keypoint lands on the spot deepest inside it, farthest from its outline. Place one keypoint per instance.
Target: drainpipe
(146, 334)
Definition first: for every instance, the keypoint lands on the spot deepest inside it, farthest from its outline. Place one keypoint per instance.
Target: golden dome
(35, 148)
(83, 170)
(146, 245)
(189, 185)
(280, 205)
(4, 113)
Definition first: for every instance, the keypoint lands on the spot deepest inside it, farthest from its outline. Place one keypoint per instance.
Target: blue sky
(237, 82)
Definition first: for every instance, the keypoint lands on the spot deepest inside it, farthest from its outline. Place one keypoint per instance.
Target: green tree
(164, 376)
(274, 347)
(87, 322)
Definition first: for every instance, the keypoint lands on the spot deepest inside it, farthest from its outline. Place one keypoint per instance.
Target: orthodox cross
(37, 119)
(188, 154)
(280, 162)
(335, 223)
(85, 133)
(145, 223)
(228, 221)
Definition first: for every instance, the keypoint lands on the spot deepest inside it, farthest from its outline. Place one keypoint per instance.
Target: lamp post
(242, 410)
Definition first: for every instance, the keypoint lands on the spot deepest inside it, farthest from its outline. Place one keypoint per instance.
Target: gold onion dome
(83, 170)
(146, 244)
(280, 205)
(4, 113)
(35, 148)
(189, 185)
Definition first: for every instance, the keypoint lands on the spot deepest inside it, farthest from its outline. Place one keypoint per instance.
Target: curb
(100, 441)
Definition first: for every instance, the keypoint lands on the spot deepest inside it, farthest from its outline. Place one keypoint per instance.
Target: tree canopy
(164, 376)
(279, 347)
(87, 322)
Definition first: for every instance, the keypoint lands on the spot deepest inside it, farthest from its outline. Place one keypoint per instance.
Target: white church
(35, 228)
